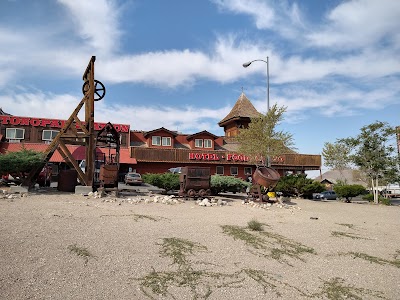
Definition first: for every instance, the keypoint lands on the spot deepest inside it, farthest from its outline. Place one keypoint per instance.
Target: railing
(219, 157)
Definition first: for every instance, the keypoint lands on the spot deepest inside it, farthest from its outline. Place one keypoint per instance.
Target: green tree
(337, 156)
(374, 153)
(298, 184)
(261, 140)
(20, 163)
(349, 191)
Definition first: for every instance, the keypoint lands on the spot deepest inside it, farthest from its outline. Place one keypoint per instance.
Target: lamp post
(245, 65)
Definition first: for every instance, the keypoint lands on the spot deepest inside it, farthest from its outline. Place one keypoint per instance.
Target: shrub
(381, 199)
(166, 181)
(309, 189)
(349, 191)
(384, 201)
(255, 225)
(221, 184)
(298, 184)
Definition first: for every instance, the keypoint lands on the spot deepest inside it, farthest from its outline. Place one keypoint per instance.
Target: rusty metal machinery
(76, 132)
(109, 139)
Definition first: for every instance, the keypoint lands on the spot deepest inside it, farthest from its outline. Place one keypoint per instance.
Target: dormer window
(203, 143)
(156, 140)
(166, 141)
(207, 143)
(160, 141)
(198, 143)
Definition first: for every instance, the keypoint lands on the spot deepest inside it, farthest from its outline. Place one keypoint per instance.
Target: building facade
(160, 149)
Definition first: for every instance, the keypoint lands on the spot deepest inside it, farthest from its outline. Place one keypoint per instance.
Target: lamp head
(245, 65)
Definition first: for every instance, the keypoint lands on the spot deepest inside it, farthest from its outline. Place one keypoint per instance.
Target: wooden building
(158, 150)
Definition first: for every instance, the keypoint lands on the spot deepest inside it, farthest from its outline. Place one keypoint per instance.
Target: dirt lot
(67, 246)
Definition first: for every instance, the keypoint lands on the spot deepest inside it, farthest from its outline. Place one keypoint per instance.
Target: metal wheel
(191, 193)
(99, 89)
(202, 193)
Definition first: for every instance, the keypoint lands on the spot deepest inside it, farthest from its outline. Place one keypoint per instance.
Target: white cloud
(97, 22)
(359, 23)
(278, 16)
(140, 117)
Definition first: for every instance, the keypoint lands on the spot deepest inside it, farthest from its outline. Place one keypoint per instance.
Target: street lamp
(245, 65)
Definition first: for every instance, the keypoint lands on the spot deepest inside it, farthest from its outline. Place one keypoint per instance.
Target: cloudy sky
(334, 64)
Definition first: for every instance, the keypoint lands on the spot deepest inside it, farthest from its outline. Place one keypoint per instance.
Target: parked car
(177, 170)
(327, 195)
(133, 179)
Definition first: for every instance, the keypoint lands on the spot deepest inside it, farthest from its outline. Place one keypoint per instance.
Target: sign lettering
(216, 157)
(54, 123)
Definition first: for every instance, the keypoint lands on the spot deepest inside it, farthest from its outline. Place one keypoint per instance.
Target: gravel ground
(66, 246)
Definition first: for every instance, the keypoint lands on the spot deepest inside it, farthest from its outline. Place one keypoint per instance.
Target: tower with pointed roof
(239, 117)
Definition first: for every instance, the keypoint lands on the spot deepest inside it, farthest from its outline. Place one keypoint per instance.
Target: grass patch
(137, 217)
(254, 225)
(349, 235)
(83, 252)
(201, 283)
(178, 250)
(268, 244)
(350, 226)
(335, 289)
(373, 259)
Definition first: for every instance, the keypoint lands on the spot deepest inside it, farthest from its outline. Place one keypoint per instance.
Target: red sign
(215, 156)
(53, 123)
(203, 156)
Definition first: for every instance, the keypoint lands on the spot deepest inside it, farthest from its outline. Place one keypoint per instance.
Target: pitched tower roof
(2, 112)
(243, 108)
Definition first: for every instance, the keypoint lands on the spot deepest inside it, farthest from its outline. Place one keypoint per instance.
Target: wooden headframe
(75, 132)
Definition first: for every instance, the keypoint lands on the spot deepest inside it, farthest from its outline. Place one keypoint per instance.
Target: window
(207, 143)
(248, 170)
(166, 141)
(15, 133)
(220, 170)
(156, 140)
(198, 143)
(49, 135)
(234, 170)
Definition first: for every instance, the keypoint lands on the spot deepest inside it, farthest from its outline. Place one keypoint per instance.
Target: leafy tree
(337, 156)
(349, 191)
(373, 153)
(298, 184)
(20, 163)
(314, 187)
(261, 140)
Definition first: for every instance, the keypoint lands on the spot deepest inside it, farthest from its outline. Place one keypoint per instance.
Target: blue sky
(334, 64)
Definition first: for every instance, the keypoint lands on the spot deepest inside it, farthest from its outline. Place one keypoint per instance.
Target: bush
(298, 184)
(255, 225)
(166, 181)
(221, 184)
(382, 200)
(309, 189)
(349, 191)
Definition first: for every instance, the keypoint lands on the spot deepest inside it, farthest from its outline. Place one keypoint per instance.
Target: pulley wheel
(99, 89)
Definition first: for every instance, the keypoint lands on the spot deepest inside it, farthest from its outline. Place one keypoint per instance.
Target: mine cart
(195, 182)
(263, 177)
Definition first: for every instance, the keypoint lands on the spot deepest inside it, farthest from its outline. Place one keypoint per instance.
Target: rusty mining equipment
(263, 178)
(195, 182)
(77, 132)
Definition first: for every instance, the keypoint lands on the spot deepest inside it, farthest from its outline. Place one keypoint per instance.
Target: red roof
(78, 152)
